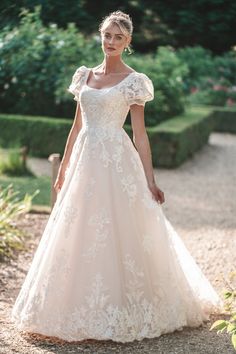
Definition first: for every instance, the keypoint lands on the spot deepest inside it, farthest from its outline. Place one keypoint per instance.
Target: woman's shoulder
(141, 77)
(137, 74)
(81, 69)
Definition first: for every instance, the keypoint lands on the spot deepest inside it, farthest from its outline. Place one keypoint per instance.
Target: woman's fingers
(160, 196)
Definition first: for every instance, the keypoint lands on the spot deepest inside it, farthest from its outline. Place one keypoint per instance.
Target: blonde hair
(122, 20)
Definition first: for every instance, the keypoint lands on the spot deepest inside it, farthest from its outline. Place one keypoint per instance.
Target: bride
(109, 264)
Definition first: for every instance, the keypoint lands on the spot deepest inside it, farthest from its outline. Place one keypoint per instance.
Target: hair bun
(122, 19)
(120, 14)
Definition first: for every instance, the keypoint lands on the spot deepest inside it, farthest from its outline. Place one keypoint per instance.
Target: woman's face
(113, 40)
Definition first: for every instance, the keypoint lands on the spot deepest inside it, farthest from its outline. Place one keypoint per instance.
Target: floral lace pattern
(109, 264)
(98, 222)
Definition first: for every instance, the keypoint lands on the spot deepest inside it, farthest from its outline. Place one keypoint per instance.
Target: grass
(29, 185)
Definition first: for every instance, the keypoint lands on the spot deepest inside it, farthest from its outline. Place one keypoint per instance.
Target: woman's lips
(110, 48)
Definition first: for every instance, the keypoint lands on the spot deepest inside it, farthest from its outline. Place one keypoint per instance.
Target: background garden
(187, 48)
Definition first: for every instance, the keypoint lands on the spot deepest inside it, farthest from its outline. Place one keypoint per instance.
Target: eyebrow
(117, 34)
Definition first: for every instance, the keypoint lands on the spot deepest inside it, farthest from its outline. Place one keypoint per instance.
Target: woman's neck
(112, 65)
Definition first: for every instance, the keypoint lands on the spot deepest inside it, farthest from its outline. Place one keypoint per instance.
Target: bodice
(107, 108)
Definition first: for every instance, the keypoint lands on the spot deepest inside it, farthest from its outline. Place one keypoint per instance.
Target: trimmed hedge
(225, 119)
(172, 141)
(42, 135)
(177, 139)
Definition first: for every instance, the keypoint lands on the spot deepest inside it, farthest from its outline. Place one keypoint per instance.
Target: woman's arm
(142, 144)
(77, 124)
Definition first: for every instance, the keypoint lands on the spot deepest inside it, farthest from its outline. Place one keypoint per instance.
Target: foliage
(177, 139)
(29, 185)
(166, 71)
(230, 308)
(224, 118)
(11, 207)
(42, 135)
(211, 79)
(14, 164)
(37, 64)
(209, 23)
(172, 141)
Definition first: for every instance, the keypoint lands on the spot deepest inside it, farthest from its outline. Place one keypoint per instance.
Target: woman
(109, 264)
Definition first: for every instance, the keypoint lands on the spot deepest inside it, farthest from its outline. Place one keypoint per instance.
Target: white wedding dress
(109, 264)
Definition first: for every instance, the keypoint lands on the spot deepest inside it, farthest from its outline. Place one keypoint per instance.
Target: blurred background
(187, 48)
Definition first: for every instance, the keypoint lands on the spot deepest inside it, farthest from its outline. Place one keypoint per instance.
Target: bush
(29, 185)
(210, 80)
(230, 308)
(178, 138)
(166, 71)
(13, 164)
(224, 119)
(11, 238)
(37, 64)
(42, 135)
(172, 141)
(200, 65)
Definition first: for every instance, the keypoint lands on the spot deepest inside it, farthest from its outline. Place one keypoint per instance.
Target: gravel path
(201, 204)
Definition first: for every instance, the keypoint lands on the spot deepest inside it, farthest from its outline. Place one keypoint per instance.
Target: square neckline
(105, 88)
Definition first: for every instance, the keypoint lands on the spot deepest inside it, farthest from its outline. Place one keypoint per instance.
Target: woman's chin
(111, 53)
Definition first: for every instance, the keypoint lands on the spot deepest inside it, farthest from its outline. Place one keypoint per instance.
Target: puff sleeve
(140, 90)
(78, 79)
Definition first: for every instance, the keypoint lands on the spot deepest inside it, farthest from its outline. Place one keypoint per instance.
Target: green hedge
(224, 119)
(179, 138)
(176, 139)
(42, 135)
(172, 141)
(38, 61)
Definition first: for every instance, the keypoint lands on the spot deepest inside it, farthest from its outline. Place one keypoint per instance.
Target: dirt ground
(201, 205)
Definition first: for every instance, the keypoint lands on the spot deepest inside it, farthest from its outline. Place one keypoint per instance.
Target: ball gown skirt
(109, 264)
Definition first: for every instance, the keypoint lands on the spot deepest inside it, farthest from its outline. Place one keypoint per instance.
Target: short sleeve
(78, 79)
(140, 90)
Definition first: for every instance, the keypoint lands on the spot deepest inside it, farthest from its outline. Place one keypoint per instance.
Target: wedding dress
(109, 264)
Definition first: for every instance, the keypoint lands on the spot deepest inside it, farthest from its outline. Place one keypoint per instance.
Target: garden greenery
(230, 307)
(11, 208)
(37, 63)
(13, 164)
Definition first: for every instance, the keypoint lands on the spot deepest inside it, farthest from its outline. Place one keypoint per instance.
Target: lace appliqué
(70, 214)
(78, 79)
(89, 192)
(98, 222)
(147, 242)
(129, 187)
(138, 90)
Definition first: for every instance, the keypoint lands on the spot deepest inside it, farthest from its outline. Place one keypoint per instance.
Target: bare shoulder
(128, 69)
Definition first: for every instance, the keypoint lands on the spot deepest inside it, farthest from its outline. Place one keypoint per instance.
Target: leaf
(233, 339)
(219, 325)
(231, 327)
(227, 295)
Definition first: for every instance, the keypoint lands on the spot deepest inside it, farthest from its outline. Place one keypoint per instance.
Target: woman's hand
(157, 193)
(59, 181)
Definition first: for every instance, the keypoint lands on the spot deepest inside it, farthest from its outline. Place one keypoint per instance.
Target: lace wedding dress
(109, 264)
